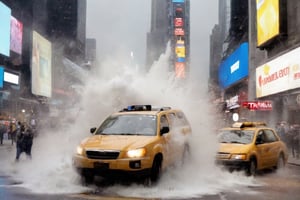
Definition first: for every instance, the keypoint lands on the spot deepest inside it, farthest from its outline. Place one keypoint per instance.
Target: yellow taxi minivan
(250, 146)
(138, 141)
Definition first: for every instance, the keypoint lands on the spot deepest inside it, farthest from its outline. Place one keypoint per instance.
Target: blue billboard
(1, 76)
(178, 1)
(5, 14)
(235, 67)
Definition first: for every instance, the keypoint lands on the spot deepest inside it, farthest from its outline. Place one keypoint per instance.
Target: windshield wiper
(237, 142)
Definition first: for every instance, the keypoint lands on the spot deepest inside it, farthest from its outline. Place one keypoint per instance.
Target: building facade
(42, 34)
(258, 74)
(170, 25)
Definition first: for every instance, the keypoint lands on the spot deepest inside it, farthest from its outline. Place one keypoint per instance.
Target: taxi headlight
(79, 150)
(238, 157)
(136, 153)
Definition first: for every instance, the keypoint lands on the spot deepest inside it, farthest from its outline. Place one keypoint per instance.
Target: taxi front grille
(105, 155)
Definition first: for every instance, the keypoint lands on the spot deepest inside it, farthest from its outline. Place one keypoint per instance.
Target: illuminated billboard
(268, 21)
(1, 76)
(279, 75)
(180, 70)
(180, 49)
(235, 67)
(5, 13)
(178, 22)
(16, 35)
(178, 1)
(41, 66)
(11, 78)
(179, 31)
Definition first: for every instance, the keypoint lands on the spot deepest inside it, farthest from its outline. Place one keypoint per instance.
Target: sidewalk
(293, 161)
(7, 145)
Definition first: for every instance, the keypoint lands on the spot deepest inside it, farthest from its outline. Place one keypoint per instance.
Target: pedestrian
(294, 134)
(28, 141)
(281, 130)
(13, 128)
(24, 142)
(19, 141)
(2, 132)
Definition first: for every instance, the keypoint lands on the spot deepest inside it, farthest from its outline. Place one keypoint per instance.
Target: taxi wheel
(156, 169)
(186, 154)
(87, 178)
(280, 162)
(251, 170)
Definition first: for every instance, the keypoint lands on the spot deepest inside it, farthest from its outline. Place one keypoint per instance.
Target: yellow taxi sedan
(139, 141)
(250, 146)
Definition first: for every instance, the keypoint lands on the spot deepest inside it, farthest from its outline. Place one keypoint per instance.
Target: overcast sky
(120, 26)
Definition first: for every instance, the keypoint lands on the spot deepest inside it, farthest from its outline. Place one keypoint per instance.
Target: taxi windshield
(236, 136)
(128, 125)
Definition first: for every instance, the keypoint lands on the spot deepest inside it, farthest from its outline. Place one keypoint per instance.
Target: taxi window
(163, 122)
(177, 120)
(270, 136)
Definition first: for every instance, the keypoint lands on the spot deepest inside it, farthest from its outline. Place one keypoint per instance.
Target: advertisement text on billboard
(278, 75)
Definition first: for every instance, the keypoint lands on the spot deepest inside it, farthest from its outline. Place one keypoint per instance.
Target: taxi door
(263, 150)
(166, 140)
(273, 148)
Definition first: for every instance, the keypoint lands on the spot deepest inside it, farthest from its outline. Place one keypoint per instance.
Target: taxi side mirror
(164, 130)
(259, 140)
(92, 130)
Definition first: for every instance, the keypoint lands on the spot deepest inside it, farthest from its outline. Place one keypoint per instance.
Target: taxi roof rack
(248, 124)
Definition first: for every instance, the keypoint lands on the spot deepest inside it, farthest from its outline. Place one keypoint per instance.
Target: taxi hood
(116, 142)
(234, 148)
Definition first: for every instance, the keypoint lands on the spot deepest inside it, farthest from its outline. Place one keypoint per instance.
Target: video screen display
(11, 78)
(16, 35)
(41, 66)
(1, 76)
(5, 13)
(267, 20)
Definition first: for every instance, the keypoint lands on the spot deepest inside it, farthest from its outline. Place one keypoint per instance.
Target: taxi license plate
(101, 165)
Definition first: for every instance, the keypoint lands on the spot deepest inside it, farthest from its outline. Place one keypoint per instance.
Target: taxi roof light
(138, 108)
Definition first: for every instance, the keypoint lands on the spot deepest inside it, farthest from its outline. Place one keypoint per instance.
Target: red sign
(258, 105)
(179, 31)
(178, 22)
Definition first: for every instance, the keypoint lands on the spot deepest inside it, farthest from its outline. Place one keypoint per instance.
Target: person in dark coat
(24, 141)
(28, 141)
(20, 141)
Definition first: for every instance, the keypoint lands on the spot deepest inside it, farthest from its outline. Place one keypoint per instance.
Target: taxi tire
(87, 178)
(156, 169)
(280, 162)
(252, 167)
